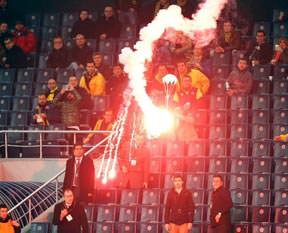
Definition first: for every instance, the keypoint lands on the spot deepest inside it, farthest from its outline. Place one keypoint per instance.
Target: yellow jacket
(7, 227)
(96, 85)
(99, 126)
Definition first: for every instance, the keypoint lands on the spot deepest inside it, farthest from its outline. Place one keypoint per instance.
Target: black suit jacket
(86, 177)
(78, 222)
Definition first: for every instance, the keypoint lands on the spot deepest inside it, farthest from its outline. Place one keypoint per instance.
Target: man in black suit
(220, 207)
(79, 175)
(69, 216)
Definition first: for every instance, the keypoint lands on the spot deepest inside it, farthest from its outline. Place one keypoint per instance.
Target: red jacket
(26, 40)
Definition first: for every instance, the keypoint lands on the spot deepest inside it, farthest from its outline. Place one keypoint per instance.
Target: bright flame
(158, 121)
(112, 174)
(104, 180)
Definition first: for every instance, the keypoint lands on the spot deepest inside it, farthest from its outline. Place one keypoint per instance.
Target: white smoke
(201, 29)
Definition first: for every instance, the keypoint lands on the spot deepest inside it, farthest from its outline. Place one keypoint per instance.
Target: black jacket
(80, 55)
(58, 58)
(221, 202)
(179, 208)
(86, 28)
(111, 27)
(86, 176)
(262, 53)
(79, 219)
(16, 58)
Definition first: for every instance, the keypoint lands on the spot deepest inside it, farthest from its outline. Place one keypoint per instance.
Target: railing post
(29, 209)
(6, 145)
(41, 144)
(56, 191)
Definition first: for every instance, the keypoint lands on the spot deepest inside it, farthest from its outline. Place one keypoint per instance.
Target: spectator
(40, 113)
(199, 61)
(116, 86)
(161, 4)
(80, 175)
(52, 91)
(86, 100)
(24, 38)
(156, 83)
(84, 26)
(7, 225)
(68, 100)
(15, 57)
(179, 208)
(4, 33)
(162, 53)
(80, 54)
(199, 81)
(220, 206)
(240, 81)
(69, 216)
(281, 52)
(187, 7)
(281, 138)
(92, 81)
(58, 57)
(100, 66)
(228, 39)
(181, 47)
(260, 52)
(128, 5)
(108, 26)
(106, 123)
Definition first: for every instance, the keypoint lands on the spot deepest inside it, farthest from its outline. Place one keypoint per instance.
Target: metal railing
(35, 204)
(42, 134)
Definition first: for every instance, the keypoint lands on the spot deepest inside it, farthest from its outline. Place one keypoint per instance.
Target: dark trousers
(223, 228)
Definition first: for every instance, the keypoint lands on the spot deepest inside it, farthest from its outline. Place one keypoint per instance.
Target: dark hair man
(69, 216)
(79, 175)
(179, 208)
(7, 225)
(220, 207)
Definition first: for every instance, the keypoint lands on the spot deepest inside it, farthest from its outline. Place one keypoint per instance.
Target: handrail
(57, 131)
(56, 176)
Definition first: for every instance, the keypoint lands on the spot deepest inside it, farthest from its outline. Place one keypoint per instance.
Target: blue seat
(52, 20)
(281, 165)
(155, 148)
(104, 227)
(107, 46)
(278, 14)
(261, 181)
(239, 181)
(218, 102)
(129, 227)
(107, 196)
(155, 180)
(261, 227)
(218, 164)
(40, 227)
(279, 129)
(260, 214)
(239, 131)
(174, 165)
(66, 32)
(195, 181)
(239, 147)
(69, 18)
(150, 214)
(263, 26)
(63, 75)
(261, 148)
(15, 137)
(221, 71)
(3, 118)
(280, 72)
(100, 103)
(195, 164)
(260, 116)
(280, 228)
(5, 103)
(46, 46)
(218, 132)
(155, 165)
(199, 213)
(151, 197)
(239, 197)
(261, 197)
(33, 20)
(239, 102)
(241, 228)
(106, 213)
(21, 103)
(239, 117)
(261, 86)
(129, 197)
(123, 43)
(261, 102)
(49, 32)
(108, 59)
(128, 32)
(19, 118)
(218, 148)
(280, 181)
(198, 196)
(281, 198)
(280, 87)
(218, 117)
(280, 30)
(261, 71)
(6, 89)
(43, 75)
(218, 86)
(127, 18)
(25, 75)
(7, 75)
(149, 227)
(91, 43)
(175, 149)
(239, 214)
(197, 148)
(260, 131)
(42, 63)
(280, 149)
(280, 101)
(240, 165)
(201, 117)
(90, 212)
(23, 89)
(262, 165)
(128, 214)
(40, 88)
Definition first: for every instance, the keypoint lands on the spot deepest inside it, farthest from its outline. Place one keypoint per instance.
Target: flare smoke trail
(201, 29)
